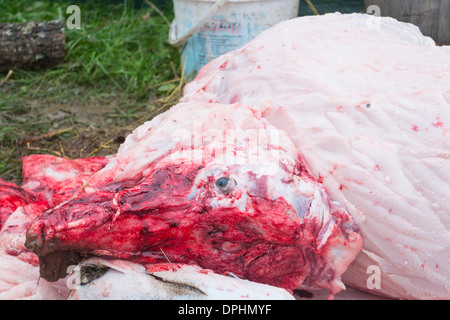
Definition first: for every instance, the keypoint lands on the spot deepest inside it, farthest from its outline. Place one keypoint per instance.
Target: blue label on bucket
(218, 36)
(227, 29)
(221, 26)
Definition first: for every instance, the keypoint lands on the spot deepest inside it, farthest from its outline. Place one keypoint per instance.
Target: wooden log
(431, 16)
(31, 45)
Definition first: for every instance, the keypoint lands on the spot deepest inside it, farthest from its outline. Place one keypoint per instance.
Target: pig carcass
(273, 154)
(221, 189)
(50, 179)
(125, 280)
(367, 101)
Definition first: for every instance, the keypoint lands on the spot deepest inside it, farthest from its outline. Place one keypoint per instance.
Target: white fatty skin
(129, 281)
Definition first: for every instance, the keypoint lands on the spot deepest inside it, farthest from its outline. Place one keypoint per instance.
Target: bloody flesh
(152, 222)
(267, 222)
(57, 179)
(12, 197)
(149, 225)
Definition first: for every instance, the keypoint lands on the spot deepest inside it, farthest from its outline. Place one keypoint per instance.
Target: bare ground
(78, 128)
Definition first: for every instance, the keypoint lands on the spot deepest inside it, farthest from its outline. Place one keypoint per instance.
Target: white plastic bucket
(210, 28)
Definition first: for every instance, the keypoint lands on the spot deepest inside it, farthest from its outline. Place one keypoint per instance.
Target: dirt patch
(96, 128)
(73, 130)
(73, 121)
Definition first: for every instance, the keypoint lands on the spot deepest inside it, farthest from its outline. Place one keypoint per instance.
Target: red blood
(235, 99)
(320, 179)
(154, 220)
(12, 197)
(155, 217)
(58, 179)
(224, 65)
(438, 123)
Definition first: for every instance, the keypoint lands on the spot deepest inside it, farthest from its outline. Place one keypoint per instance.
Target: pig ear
(57, 179)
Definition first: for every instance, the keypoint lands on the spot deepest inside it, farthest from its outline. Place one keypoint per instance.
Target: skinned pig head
(224, 190)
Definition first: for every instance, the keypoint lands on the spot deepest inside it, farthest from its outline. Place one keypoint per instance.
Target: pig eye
(224, 184)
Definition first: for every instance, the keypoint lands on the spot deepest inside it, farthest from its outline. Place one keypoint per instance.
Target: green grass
(118, 45)
(118, 71)
(329, 6)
